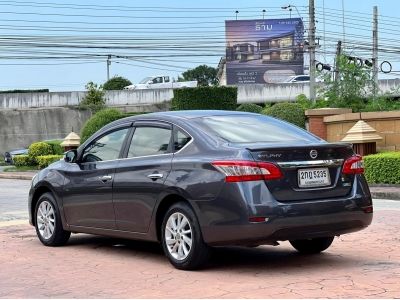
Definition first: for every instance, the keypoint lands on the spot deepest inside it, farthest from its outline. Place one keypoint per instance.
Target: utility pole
(311, 47)
(375, 50)
(338, 53)
(108, 66)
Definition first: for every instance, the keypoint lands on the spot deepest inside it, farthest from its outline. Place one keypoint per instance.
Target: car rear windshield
(254, 129)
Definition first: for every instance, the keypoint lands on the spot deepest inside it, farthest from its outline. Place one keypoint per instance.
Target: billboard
(263, 51)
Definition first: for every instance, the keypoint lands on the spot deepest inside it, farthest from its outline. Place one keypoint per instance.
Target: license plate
(314, 177)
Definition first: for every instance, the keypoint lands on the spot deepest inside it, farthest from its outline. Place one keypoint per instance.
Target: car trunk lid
(312, 171)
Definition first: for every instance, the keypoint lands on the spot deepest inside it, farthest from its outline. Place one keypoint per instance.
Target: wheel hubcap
(46, 220)
(178, 236)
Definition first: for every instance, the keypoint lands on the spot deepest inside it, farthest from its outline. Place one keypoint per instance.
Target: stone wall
(332, 125)
(387, 125)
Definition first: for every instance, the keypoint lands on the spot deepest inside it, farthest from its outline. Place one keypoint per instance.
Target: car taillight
(353, 165)
(236, 171)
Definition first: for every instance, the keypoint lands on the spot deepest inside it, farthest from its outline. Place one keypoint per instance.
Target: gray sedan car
(192, 180)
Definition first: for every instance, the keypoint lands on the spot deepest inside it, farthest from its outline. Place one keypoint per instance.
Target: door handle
(155, 176)
(106, 178)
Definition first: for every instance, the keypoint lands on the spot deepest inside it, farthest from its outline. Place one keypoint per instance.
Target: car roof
(187, 114)
(176, 116)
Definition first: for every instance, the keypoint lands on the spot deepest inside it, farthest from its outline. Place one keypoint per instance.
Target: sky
(62, 45)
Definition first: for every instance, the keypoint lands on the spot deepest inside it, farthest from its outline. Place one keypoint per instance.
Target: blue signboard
(264, 51)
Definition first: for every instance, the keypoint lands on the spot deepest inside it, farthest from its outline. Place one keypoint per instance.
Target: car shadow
(273, 259)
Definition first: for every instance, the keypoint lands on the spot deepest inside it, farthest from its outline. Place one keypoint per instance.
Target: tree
(94, 98)
(204, 75)
(353, 86)
(116, 83)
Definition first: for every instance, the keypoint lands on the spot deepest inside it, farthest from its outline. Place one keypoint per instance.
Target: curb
(386, 195)
(16, 176)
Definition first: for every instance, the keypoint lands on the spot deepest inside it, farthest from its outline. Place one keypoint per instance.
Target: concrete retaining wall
(20, 128)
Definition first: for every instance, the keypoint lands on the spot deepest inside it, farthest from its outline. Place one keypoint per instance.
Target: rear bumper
(287, 228)
(228, 224)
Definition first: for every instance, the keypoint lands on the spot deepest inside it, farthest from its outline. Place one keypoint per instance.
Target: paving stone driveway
(364, 264)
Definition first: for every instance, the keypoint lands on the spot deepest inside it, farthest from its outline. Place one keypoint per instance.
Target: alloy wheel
(178, 236)
(46, 220)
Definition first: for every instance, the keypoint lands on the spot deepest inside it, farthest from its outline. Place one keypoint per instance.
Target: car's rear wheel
(48, 222)
(181, 238)
(312, 246)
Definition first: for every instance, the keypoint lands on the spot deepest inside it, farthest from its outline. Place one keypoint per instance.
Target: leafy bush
(382, 167)
(94, 99)
(290, 112)
(56, 147)
(205, 97)
(250, 107)
(45, 160)
(116, 83)
(98, 120)
(23, 160)
(39, 149)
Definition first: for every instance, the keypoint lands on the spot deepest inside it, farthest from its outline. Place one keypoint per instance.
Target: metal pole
(311, 47)
(108, 66)
(375, 50)
(338, 53)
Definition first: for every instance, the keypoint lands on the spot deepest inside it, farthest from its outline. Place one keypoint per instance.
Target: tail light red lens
(236, 171)
(353, 165)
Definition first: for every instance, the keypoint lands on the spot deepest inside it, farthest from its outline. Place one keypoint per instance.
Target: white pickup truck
(160, 82)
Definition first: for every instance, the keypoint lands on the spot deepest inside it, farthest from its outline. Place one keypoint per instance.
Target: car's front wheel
(312, 246)
(181, 238)
(48, 222)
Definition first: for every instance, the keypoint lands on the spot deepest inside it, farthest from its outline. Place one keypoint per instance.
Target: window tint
(181, 140)
(149, 141)
(254, 129)
(107, 147)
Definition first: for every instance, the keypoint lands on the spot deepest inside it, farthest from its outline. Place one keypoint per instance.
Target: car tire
(312, 246)
(48, 224)
(181, 238)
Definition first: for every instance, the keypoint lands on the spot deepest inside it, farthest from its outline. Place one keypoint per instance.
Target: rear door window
(150, 141)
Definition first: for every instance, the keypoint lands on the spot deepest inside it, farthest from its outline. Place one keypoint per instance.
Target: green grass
(20, 169)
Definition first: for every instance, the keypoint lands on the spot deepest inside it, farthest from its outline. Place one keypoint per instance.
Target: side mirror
(70, 156)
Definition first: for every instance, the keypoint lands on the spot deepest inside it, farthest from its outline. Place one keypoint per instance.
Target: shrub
(383, 167)
(56, 147)
(116, 83)
(39, 149)
(205, 97)
(23, 160)
(45, 160)
(94, 99)
(250, 107)
(290, 112)
(98, 120)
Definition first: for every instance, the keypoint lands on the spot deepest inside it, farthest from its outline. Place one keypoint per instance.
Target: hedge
(250, 107)
(205, 97)
(98, 120)
(45, 160)
(24, 91)
(56, 146)
(290, 112)
(383, 167)
(23, 160)
(39, 149)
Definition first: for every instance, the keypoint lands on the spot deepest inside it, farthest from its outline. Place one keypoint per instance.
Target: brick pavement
(360, 265)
